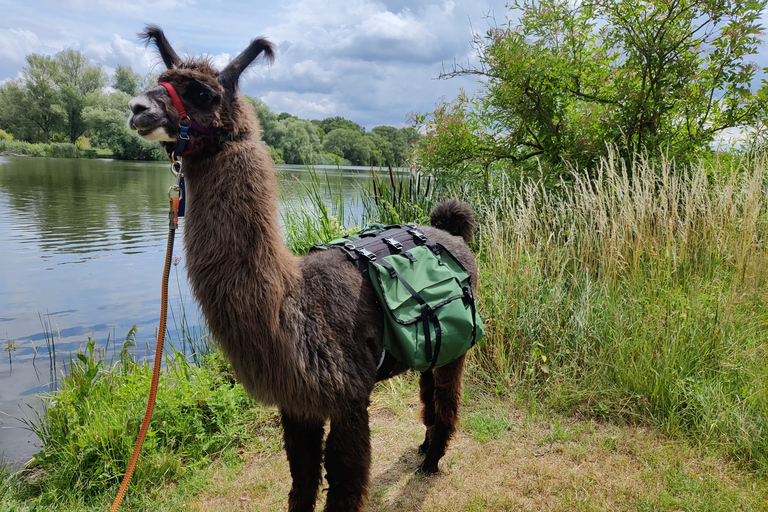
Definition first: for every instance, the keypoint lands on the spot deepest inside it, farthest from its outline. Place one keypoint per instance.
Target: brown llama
(305, 333)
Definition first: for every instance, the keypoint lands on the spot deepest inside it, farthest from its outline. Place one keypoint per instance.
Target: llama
(303, 334)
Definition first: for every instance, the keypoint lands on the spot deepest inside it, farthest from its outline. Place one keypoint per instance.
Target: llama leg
(304, 448)
(348, 460)
(447, 398)
(427, 394)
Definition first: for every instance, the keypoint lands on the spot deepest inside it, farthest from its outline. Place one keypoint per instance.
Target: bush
(61, 150)
(22, 148)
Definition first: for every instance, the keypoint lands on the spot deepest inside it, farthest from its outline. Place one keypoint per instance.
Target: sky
(373, 62)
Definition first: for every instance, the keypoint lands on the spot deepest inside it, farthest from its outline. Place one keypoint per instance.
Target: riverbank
(16, 148)
(626, 321)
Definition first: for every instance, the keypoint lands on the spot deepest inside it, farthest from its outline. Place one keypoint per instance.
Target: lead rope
(173, 224)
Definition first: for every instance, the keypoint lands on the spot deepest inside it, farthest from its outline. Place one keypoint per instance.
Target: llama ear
(231, 74)
(153, 34)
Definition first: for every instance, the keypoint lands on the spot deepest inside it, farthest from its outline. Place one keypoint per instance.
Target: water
(82, 246)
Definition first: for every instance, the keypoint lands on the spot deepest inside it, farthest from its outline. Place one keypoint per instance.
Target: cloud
(372, 61)
(375, 62)
(17, 43)
(117, 51)
(134, 7)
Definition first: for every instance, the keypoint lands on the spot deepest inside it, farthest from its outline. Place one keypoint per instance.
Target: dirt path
(503, 459)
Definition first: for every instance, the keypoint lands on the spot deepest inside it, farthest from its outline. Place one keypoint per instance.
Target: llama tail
(455, 217)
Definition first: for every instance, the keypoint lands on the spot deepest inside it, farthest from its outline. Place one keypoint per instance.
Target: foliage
(32, 104)
(318, 214)
(562, 82)
(351, 145)
(299, 140)
(639, 300)
(399, 198)
(394, 144)
(330, 124)
(79, 83)
(125, 80)
(332, 141)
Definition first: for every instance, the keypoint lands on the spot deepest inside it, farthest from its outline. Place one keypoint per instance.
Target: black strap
(427, 314)
(470, 298)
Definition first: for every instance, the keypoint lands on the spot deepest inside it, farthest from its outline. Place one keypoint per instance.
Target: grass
(639, 297)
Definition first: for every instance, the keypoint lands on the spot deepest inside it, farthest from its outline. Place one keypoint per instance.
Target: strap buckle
(393, 244)
(421, 237)
(365, 253)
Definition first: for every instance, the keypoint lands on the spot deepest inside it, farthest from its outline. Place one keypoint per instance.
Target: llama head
(208, 96)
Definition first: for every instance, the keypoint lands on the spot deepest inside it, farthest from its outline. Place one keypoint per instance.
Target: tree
(396, 143)
(299, 141)
(567, 79)
(79, 83)
(352, 145)
(32, 104)
(334, 123)
(127, 81)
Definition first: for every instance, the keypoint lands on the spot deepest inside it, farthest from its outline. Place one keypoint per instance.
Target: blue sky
(373, 62)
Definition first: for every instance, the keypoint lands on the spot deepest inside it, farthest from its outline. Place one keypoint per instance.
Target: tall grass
(318, 212)
(639, 294)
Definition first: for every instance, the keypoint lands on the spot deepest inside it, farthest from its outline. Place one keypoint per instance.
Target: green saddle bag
(430, 318)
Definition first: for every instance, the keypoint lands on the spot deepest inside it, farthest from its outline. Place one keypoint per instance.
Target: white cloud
(17, 43)
(134, 7)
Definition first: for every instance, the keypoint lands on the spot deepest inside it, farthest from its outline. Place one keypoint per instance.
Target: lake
(82, 246)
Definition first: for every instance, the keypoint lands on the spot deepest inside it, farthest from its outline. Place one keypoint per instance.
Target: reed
(638, 295)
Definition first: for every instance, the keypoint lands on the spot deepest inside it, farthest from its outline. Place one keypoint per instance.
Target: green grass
(487, 425)
(637, 299)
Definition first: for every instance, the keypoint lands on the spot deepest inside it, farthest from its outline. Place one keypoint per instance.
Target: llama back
(455, 217)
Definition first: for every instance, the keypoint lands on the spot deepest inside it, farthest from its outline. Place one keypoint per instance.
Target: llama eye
(203, 98)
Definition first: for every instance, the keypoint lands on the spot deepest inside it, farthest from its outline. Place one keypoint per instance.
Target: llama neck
(239, 268)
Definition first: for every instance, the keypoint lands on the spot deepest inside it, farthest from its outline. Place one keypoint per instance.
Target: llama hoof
(427, 469)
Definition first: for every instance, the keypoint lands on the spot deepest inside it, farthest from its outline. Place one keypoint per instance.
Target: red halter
(176, 101)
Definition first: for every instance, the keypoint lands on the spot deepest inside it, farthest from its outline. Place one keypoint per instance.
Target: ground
(504, 457)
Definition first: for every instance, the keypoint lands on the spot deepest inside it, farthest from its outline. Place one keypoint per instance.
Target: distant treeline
(65, 100)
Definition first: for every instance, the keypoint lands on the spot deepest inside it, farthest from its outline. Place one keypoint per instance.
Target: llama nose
(138, 105)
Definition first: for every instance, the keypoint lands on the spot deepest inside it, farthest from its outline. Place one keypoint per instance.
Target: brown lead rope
(173, 224)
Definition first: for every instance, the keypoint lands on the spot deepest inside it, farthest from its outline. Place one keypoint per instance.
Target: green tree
(127, 81)
(32, 104)
(299, 140)
(79, 84)
(396, 143)
(566, 79)
(352, 145)
(334, 123)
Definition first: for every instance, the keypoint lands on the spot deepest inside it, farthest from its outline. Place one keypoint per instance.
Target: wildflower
(176, 260)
